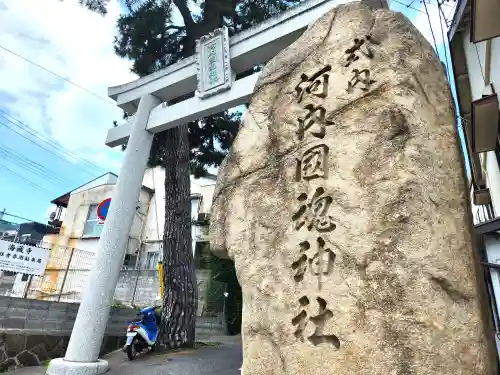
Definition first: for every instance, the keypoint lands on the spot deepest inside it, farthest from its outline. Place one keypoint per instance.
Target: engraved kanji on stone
(320, 263)
(316, 85)
(300, 265)
(319, 320)
(315, 116)
(313, 163)
(360, 76)
(361, 45)
(323, 259)
(12, 247)
(314, 213)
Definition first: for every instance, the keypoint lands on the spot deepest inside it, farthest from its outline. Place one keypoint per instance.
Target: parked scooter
(142, 335)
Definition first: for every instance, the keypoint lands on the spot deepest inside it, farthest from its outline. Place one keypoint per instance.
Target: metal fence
(67, 275)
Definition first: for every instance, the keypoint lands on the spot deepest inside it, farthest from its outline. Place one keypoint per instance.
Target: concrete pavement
(224, 359)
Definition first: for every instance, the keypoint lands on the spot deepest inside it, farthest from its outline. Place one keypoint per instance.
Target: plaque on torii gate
(213, 63)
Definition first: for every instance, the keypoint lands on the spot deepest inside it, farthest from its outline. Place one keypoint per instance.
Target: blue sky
(51, 132)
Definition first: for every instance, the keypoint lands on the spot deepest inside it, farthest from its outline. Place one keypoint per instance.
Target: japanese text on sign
(23, 258)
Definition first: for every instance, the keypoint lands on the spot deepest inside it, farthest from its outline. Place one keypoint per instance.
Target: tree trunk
(180, 304)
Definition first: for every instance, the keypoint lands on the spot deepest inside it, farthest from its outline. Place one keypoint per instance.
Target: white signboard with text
(213, 63)
(22, 258)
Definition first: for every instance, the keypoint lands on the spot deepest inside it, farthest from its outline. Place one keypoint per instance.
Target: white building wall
(107, 179)
(492, 245)
(492, 172)
(72, 230)
(148, 224)
(475, 57)
(476, 65)
(495, 63)
(155, 178)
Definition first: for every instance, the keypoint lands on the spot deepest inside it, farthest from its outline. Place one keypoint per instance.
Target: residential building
(8, 230)
(33, 232)
(74, 247)
(80, 227)
(474, 40)
(202, 190)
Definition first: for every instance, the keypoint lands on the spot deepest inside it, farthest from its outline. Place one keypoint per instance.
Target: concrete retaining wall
(52, 317)
(32, 331)
(138, 287)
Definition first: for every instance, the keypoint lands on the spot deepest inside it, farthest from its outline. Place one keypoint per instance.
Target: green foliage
(98, 6)
(209, 139)
(223, 271)
(149, 38)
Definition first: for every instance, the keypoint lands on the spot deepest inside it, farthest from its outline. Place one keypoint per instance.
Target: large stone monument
(342, 205)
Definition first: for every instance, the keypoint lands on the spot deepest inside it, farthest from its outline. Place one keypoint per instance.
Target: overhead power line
(408, 6)
(36, 140)
(57, 75)
(8, 126)
(31, 166)
(20, 217)
(452, 13)
(443, 32)
(430, 26)
(50, 142)
(26, 180)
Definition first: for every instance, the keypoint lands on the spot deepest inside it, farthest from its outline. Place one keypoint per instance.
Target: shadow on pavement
(224, 359)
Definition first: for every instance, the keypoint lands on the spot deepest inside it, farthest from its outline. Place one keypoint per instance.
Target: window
(93, 227)
(152, 260)
(195, 206)
(129, 261)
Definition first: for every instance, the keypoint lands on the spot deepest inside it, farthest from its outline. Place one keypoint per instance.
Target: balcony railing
(483, 213)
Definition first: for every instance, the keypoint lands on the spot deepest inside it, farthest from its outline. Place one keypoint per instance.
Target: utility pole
(1, 214)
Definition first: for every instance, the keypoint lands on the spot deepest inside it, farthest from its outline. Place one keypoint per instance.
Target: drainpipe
(141, 249)
(487, 58)
(141, 234)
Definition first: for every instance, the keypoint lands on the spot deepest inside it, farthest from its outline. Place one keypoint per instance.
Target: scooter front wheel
(153, 347)
(131, 351)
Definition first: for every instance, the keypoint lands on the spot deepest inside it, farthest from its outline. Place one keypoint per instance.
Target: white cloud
(76, 44)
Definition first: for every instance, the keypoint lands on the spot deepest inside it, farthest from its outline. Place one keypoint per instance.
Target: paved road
(219, 360)
(225, 359)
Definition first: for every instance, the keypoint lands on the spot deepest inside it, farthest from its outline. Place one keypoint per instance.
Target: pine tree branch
(173, 27)
(186, 14)
(213, 12)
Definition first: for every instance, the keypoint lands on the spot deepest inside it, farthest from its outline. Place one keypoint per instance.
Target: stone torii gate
(211, 72)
